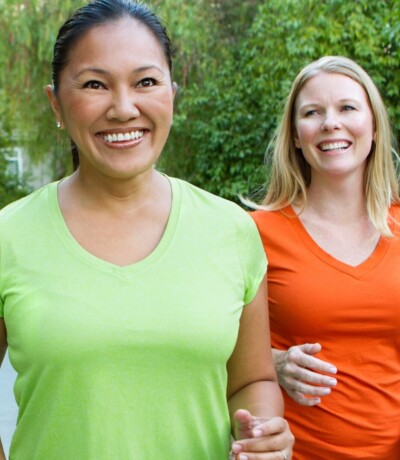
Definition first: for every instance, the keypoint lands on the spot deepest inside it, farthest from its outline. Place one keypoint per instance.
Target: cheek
(163, 105)
(364, 128)
(305, 134)
(78, 110)
(73, 112)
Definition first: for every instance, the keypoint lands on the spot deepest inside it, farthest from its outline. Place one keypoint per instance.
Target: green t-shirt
(125, 362)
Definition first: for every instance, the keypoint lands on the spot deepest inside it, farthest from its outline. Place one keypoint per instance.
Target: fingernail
(326, 391)
(332, 370)
(236, 448)
(332, 382)
(243, 457)
(257, 433)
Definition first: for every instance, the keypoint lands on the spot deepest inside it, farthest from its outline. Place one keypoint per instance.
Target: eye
(310, 113)
(93, 84)
(347, 108)
(146, 83)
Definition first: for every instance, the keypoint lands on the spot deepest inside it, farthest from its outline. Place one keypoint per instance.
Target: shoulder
(223, 225)
(277, 228)
(216, 208)
(22, 209)
(395, 210)
(272, 219)
(395, 214)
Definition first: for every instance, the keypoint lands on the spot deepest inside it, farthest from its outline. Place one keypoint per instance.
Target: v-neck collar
(357, 271)
(86, 257)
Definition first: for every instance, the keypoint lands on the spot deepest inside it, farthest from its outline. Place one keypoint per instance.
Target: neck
(115, 195)
(337, 198)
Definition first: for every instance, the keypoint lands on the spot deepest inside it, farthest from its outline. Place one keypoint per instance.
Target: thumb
(310, 348)
(243, 425)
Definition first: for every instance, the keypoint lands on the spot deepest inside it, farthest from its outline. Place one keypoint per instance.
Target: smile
(120, 137)
(342, 145)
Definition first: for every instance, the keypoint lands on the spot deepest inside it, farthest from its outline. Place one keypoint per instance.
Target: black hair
(99, 12)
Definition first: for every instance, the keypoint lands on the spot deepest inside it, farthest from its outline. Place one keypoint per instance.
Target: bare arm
(252, 381)
(3, 349)
(253, 386)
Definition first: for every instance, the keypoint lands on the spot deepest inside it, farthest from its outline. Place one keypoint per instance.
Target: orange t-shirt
(354, 312)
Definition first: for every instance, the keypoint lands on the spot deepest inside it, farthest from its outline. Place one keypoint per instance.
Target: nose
(123, 105)
(330, 122)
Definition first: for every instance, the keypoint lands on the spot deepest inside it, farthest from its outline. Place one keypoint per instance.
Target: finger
(310, 348)
(309, 383)
(259, 450)
(278, 455)
(297, 356)
(260, 446)
(269, 436)
(270, 426)
(303, 400)
(244, 423)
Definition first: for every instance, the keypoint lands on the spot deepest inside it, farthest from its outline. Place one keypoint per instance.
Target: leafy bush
(11, 188)
(234, 63)
(225, 122)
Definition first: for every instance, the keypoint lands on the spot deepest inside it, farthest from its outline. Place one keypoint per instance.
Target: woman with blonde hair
(329, 225)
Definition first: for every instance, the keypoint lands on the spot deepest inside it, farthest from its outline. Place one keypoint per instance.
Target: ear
(54, 103)
(174, 88)
(296, 139)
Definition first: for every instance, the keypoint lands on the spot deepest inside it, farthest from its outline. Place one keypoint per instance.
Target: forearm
(262, 399)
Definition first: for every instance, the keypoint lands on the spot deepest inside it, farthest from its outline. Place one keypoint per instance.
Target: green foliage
(231, 115)
(28, 31)
(234, 63)
(11, 187)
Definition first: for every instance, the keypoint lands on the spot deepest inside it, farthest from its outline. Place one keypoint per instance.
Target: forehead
(330, 86)
(119, 41)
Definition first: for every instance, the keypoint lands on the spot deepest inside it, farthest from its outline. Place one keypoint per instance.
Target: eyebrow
(101, 71)
(340, 101)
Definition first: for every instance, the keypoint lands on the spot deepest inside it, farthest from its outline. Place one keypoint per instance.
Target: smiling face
(334, 125)
(115, 98)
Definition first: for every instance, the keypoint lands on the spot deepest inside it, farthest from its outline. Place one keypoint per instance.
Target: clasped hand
(303, 375)
(261, 439)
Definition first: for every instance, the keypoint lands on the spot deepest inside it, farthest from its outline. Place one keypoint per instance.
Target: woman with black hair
(130, 301)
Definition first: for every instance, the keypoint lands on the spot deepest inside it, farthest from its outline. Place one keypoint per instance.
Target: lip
(120, 130)
(334, 141)
(122, 144)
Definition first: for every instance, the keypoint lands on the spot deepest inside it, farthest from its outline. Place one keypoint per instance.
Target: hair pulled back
(96, 13)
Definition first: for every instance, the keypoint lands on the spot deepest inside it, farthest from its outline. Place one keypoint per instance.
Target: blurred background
(234, 62)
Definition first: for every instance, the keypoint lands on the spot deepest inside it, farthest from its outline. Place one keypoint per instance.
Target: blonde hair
(290, 173)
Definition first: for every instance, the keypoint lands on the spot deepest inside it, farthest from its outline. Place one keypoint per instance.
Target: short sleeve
(252, 258)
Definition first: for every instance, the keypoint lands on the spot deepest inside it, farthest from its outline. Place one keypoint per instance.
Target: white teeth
(123, 136)
(334, 146)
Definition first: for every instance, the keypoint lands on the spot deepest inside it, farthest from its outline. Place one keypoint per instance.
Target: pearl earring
(58, 124)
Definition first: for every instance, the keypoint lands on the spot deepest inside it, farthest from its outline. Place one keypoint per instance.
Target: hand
(296, 377)
(261, 438)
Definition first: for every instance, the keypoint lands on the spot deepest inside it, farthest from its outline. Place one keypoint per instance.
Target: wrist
(279, 358)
